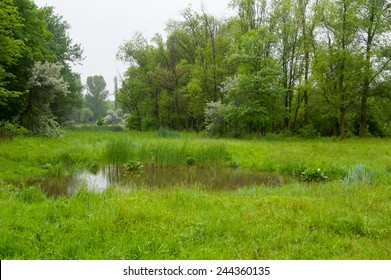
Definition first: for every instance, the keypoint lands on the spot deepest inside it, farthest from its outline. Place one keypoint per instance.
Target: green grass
(320, 222)
(347, 217)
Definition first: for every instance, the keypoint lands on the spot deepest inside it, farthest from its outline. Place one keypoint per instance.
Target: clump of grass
(30, 194)
(357, 174)
(118, 151)
(55, 170)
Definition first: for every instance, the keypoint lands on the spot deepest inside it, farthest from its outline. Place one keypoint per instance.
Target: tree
(66, 53)
(10, 46)
(375, 25)
(131, 96)
(255, 90)
(22, 40)
(96, 96)
(338, 60)
(45, 84)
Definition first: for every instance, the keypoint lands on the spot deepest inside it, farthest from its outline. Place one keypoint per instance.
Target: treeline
(38, 89)
(315, 67)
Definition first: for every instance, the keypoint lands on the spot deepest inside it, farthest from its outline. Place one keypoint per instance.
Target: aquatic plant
(133, 165)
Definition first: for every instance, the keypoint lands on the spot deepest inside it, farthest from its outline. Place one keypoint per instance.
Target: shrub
(167, 133)
(100, 121)
(358, 173)
(10, 130)
(313, 175)
(308, 131)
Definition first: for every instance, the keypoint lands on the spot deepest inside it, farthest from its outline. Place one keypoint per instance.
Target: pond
(156, 177)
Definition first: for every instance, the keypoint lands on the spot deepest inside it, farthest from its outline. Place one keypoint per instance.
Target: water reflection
(153, 177)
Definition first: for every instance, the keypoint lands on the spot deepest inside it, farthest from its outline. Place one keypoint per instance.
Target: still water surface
(154, 177)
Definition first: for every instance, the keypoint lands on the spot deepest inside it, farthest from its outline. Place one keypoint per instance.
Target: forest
(306, 67)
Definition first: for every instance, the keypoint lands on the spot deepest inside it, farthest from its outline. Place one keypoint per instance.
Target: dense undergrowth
(345, 216)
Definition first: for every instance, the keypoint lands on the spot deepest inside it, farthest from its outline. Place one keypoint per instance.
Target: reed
(118, 151)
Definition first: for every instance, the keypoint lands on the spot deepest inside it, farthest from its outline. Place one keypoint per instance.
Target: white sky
(102, 26)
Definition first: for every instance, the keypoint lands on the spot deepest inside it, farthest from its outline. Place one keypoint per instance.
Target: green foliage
(35, 91)
(100, 121)
(167, 133)
(86, 115)
(10, 45)
(133, 166)
(96, 98)
(308, 132)
(313, 175)
(307, 67)
(113, 128)
(10, 130)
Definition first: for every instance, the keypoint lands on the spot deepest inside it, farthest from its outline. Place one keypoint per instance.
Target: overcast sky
(101, 26)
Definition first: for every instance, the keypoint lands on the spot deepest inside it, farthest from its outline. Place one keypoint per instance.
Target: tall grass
(118, 150)
(164, 153)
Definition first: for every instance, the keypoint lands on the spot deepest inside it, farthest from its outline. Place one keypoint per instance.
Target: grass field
(345, 217)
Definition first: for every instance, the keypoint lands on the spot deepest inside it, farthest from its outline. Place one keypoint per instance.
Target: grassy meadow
(337, 207)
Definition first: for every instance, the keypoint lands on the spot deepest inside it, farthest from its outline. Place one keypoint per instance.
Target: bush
(100, 121)
(313, 175)
(358, 173)
(167, 133)
(10, 130)
(308, 131)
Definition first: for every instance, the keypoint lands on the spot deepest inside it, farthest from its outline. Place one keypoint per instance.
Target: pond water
(156, 177)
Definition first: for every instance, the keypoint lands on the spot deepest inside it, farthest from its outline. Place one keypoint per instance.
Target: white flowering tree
(45, 84)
